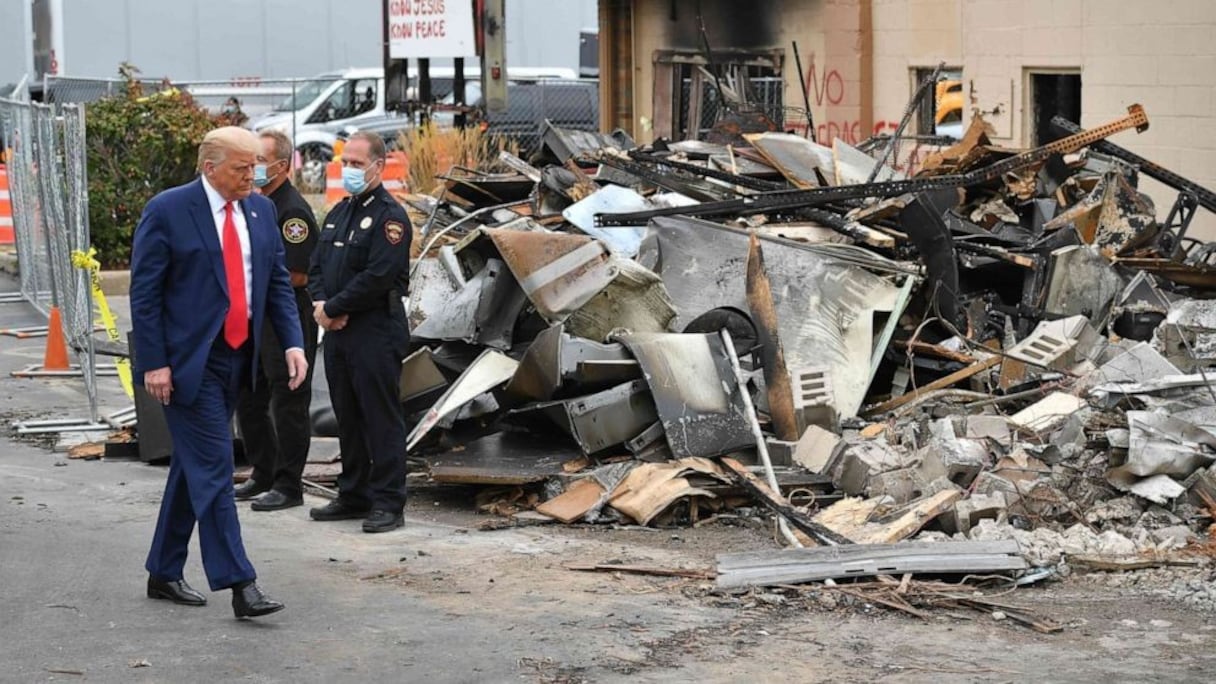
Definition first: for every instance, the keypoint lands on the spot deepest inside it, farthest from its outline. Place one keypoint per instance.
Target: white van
(326, 105)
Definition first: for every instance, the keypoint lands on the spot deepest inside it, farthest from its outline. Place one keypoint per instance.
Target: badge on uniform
(295, 231)
(394, 231)
(365, 223)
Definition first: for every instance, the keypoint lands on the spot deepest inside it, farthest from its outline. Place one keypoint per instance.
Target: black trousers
(274, 419)
(363, 367)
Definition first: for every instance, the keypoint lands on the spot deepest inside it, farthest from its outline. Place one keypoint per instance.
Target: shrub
(138, 145)
(433, 151)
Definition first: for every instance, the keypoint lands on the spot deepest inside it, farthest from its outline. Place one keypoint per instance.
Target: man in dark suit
(207, 269)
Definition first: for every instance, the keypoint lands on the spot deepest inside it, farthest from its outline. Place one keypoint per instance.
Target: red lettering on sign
(430, 29)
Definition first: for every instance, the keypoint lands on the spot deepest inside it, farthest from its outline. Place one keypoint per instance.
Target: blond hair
(219, 142)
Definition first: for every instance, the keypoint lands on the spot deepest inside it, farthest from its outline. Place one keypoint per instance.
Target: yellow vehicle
(949, 105)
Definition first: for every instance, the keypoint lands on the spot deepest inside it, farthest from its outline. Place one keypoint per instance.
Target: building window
(1051, 92)
(941, 111)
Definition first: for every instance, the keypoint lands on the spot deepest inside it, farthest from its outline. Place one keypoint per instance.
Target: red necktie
(236, 324)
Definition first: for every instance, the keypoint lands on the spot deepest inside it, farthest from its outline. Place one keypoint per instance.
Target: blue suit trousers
(199, 487)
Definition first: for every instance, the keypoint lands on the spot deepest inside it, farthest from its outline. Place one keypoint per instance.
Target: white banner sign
(430, 28)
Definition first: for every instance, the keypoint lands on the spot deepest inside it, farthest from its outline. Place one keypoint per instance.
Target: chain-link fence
(317, 112)
(47, 174)
(20, 144)
(311, 111)
(62, 135)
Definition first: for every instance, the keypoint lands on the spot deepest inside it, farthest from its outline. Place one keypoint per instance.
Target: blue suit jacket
(179, 293)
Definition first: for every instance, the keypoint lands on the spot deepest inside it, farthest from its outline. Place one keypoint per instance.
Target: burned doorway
(1050, 93)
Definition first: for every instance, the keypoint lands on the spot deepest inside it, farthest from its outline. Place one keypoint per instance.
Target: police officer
(274, 419)
(357, 281)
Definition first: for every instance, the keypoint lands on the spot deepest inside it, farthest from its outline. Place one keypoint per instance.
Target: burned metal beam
(801, 199)
(732, 178)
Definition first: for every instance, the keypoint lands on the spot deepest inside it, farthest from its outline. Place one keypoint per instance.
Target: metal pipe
(806, 97)
(758, 435)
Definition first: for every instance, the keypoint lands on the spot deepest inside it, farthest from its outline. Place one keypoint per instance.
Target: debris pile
(1006, 345)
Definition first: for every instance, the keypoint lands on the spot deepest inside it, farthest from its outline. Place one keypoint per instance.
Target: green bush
(138, 145)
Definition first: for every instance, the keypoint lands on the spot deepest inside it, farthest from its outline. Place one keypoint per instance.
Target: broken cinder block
(862, 460)
(902, 485)
(968, 512)
(818, 450)
(957, 459)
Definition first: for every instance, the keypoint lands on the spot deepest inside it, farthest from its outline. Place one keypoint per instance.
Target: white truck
(322, 108)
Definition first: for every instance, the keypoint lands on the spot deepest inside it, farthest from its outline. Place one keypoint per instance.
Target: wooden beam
(940, 383)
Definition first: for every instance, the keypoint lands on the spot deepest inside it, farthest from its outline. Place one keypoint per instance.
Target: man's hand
(297, 368)
(159, 384)
(323, 320)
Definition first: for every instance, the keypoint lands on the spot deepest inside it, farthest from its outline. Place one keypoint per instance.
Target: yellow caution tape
(89, 261)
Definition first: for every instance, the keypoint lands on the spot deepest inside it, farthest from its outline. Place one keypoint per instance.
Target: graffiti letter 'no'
(824, 84)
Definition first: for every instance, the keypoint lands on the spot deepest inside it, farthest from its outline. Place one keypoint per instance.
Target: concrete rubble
(1006, 345)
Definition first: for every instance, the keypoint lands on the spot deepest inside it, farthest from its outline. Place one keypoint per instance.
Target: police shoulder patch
(295, 230)
(394, 231)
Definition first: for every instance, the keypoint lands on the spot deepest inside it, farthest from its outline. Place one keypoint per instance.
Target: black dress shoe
(383, 521)
(176, 591)
(249, 601)
(249, 489)
(337, 510)
(274, 500)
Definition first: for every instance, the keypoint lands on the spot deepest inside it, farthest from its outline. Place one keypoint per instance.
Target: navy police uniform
(361, 270)
(275, 424)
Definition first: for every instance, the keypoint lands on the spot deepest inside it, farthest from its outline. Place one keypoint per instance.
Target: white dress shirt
(217, 203)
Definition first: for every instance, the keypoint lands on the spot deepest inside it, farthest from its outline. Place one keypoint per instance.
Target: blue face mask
(259, 176)
(354, 180)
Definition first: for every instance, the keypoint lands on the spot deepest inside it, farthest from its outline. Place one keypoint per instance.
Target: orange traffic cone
(56, 357)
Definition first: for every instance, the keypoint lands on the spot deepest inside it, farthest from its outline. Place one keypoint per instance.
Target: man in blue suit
(207, 268)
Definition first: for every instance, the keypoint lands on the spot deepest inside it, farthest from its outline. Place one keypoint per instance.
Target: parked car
(567, 103)
(321, 108)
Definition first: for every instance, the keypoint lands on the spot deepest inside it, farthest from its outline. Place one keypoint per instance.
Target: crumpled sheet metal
(488, 371)
(480, 310)
(1082, 281)
(1114, 217)
(1160, 489)
(825, 305)
(574, 279)
(434, 293)
(601, 420)
(1188, 336)
(559, 273)
(696, 392)
(569, 143)
(419, 375)
(1164, 445)
(556, 360)
(636, 300)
